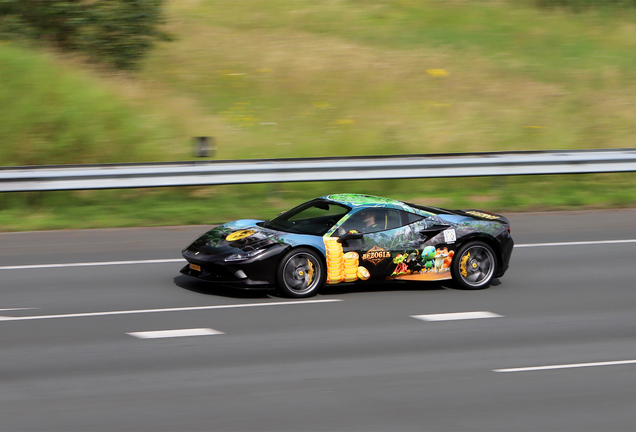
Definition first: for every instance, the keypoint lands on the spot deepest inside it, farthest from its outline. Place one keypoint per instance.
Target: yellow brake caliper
(462, 264)
(310, 273)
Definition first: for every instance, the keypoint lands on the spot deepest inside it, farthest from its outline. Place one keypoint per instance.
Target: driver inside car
(368, 219)
(365, 221)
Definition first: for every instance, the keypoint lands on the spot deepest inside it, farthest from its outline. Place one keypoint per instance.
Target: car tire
(474, 265)
(300, 273)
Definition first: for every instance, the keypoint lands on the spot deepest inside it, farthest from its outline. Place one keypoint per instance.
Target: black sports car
(350, 238)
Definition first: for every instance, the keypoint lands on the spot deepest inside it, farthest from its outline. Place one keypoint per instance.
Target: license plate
(195, 267)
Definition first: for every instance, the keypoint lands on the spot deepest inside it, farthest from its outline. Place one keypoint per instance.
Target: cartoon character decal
(428, 256)
(414, 262)
(429, 264)
(401, 265)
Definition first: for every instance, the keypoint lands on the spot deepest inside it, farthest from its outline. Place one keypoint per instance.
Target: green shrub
(119, 32)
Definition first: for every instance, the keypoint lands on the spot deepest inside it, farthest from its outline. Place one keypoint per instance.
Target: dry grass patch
(320, 91)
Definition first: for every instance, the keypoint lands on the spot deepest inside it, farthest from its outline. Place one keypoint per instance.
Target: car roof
(356, 201)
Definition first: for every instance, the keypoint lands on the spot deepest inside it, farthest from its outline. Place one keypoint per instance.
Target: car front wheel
(474, 265)
(300, 273)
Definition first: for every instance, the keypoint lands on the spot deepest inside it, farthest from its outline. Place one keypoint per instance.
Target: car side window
(392, 219)
(410, 218)
(354, 223)
(373, 220)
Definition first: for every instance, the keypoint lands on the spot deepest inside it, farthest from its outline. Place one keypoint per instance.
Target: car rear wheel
(300, 273)
(474, 265)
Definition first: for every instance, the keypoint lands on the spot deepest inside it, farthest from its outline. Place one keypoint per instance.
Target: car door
(382, 246)
(400, 245)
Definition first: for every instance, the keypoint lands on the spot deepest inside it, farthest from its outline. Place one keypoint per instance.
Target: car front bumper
(256, 272)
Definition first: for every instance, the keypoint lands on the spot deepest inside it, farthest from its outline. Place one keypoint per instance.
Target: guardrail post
(204, 147)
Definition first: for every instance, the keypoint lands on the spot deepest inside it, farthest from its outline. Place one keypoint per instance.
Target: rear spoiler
(479, 214)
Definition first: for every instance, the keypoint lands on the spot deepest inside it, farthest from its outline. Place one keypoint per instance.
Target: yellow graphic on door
(342, 267)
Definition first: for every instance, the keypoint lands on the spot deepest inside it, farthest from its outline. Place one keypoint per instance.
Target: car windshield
(315, 217)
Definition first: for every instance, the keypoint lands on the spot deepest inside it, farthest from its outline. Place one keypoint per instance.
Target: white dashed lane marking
(175, 333)
(566, 366)
(456, 316)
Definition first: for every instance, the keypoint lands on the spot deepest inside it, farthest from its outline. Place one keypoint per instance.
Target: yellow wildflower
(437, 72)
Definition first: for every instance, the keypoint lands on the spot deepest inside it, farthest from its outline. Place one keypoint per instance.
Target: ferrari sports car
(353, 239)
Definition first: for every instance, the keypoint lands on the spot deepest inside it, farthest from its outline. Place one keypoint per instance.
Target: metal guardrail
(115, 176)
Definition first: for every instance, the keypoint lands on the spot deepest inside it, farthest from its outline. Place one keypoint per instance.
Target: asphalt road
(345, 360)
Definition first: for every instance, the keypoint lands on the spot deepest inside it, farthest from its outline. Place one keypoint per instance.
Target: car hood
(238, 236)
(247, 235)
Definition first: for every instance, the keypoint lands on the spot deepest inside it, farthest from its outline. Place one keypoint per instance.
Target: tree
(120, 32)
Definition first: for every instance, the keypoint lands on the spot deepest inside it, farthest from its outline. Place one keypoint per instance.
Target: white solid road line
(91, 264)
(566, 366)
(581, 243)
(14, 309)
(142, 311)
(456, 316)
(175, 333)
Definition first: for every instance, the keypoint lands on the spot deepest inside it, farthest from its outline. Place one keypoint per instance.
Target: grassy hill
(299, 78)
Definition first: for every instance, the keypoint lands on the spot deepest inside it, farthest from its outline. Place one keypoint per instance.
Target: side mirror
(350, 236)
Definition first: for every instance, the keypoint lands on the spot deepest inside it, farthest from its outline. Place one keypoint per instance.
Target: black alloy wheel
(300, 273)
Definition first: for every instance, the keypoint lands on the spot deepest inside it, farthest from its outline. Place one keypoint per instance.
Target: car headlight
(244, 255)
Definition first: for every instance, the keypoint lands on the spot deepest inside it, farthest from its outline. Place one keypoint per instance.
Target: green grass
(301, 78)
(52, 114)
